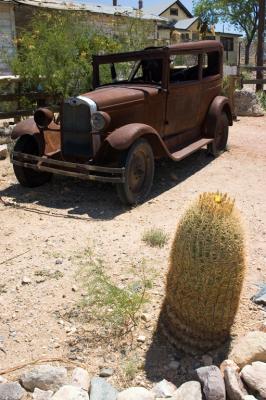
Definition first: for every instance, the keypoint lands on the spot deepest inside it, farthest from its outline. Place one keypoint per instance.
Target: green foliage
(242, 14)
(115, 306)
(205, 277)
(262, 99)
(55, 51)
(155, 237)
(131, 368)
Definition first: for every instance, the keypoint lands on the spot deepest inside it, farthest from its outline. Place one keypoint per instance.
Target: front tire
(218, 146)
(28, 177)
(139, 171)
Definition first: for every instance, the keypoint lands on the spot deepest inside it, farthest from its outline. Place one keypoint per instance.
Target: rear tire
(28, 177)
(218, 146)
(139, 170)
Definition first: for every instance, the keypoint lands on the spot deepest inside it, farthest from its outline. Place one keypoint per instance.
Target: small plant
(118, 307)
(262, 99)
(130, 368)
(206, 272)
(155, 237)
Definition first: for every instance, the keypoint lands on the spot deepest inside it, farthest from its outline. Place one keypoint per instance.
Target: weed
(155, 237)
(116, 306)
(261, 96)
(130, 368)
(3, 288)
(51, 275)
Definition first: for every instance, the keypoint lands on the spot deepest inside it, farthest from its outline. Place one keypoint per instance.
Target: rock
(212, 382)
(3, 380)
(249, 348)
(39, 394)
(249, 397)
(106, 372)
(164, 389)
(188, 391)
(69, 392)
(207, 360)
(11, 391)
(26, 280)
(229, 363)
(102, 390)
(233, 384)
(44, 377)
(260, 297)
(141, 339)
(3, 151)
(136, 393)
(81, 379)
(246, 104)
(255, 377)
(174, 364)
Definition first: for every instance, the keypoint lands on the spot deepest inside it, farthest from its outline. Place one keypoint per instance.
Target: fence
(251, 68)
(36, 99)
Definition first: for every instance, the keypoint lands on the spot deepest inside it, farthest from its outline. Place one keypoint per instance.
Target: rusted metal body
(175, 109)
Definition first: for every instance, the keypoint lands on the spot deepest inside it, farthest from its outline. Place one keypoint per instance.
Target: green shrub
(205, 277)
(155, 237)
(55, 51)
(117, 307)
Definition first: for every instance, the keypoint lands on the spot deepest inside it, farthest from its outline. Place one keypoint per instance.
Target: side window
(211, 64)
(184, 67)
(173, 11)
(228, 43)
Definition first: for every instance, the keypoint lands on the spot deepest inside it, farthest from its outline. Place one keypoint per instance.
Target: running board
(181, 154)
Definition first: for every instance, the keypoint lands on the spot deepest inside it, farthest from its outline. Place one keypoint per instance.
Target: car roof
(151, 52)
(197, 45)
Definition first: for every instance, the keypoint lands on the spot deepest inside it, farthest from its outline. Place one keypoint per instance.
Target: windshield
(138, 71)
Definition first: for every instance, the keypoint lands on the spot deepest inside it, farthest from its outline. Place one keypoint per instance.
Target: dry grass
(155, 237)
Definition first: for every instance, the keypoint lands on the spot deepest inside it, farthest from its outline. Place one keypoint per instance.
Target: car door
(183, 99)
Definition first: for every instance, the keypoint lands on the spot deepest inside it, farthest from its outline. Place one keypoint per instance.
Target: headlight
(43, 117)
(100, 121)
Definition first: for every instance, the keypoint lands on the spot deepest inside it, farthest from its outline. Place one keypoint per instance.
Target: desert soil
(46, 238)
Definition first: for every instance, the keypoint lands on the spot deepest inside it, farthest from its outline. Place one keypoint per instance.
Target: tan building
(182, 27)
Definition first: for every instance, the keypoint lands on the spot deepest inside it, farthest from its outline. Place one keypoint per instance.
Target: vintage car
(145, 105)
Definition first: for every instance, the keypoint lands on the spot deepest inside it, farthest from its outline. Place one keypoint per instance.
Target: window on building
(228, 43)
(195, 36)
(173, 11)
(184, 37)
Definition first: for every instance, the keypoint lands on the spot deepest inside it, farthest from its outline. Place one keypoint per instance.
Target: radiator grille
(76, 129)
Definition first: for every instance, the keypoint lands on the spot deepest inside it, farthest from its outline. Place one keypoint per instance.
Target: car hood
(110, 97)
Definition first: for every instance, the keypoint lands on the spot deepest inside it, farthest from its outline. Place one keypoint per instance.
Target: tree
(242, 14)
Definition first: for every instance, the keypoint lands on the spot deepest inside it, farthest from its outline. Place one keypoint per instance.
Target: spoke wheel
(218, 146)
(26, 176)
(139, 171)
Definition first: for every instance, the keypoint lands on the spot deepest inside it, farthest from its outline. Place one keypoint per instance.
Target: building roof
(91, 7)
(161, 7)
(184, 24)
(228, 34)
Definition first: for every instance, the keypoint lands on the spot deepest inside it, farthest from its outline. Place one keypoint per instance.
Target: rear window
(211, 64)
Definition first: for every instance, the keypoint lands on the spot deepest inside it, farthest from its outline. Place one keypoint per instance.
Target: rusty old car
(144, 105)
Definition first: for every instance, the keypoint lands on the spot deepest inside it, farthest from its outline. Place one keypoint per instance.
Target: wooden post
(260, 48)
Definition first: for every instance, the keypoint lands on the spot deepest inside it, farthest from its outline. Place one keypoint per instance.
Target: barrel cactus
(206, 272)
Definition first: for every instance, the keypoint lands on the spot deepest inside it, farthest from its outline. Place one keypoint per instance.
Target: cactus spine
(206, 272)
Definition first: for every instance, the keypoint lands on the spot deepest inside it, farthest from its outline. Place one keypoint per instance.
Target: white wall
(7, 34)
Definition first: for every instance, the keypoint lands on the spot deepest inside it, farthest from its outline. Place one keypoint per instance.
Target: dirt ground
(45, 239)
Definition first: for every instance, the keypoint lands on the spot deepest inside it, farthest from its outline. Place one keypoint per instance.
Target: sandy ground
(69, 217)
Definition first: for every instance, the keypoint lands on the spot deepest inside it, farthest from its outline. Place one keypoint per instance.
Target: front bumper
(82, 171)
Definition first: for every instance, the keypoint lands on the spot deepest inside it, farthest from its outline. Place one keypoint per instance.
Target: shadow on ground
(97, 200)
(164, 361)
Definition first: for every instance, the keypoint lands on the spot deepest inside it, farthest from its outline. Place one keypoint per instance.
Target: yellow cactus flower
(217, 198)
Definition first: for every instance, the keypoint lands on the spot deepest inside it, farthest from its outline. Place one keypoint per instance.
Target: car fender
(122, 138)
(46, 142)
(219, 104)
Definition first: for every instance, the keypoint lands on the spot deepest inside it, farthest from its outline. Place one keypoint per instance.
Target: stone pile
(247, 104)
(241, 377)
